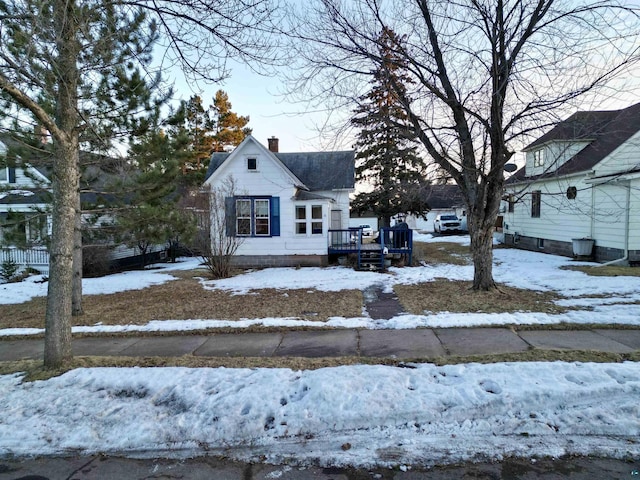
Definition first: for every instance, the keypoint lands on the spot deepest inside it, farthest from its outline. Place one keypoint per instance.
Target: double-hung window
(538, 158)
(261, 216)
(243, 217)
(535, 203)
(253, 216)
(4, 174)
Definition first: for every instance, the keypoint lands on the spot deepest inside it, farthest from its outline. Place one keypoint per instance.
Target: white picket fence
(37, 258)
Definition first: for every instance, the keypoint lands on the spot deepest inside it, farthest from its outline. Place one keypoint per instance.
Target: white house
(579, 192)
(24, 202)
(285, 203)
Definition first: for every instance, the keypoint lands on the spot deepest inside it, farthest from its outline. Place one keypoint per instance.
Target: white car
(447, 223)
(367, 231)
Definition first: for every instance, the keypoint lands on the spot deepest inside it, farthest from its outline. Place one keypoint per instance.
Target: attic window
(538, 158)
(572, 192)
(252, 164)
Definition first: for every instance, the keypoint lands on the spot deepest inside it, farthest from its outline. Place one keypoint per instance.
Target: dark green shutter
(12, 175)
(230, 216)
(275, 216)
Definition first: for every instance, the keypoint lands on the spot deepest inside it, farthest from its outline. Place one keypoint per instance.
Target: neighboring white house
(581, 182)
(25, 204)
(285, 203)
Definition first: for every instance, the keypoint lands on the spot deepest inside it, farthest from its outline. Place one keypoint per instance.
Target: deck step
(371, 261)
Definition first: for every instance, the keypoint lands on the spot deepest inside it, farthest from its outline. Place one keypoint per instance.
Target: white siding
(25, 179)
(634, 215)
(560, 218)
(624, 158)
(610, 215)
(555, 155)
(598, 212)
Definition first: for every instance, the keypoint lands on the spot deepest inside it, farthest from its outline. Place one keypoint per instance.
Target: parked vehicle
(447, 223)
(367, 231)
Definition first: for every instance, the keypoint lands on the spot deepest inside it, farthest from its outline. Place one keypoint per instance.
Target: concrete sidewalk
(397, 344)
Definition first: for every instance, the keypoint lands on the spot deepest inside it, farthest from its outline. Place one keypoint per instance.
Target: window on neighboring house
(252, 164)
(535, 204)
(4, 174)
(308, 219)
(24, 229)
(512, 203)
(252, 216)
(538, 158)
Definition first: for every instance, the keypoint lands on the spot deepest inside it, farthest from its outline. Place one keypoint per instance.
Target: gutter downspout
(626, 230)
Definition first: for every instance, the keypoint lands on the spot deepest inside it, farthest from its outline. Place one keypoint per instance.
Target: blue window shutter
(230, 216)
(275, 216)
(12, 175)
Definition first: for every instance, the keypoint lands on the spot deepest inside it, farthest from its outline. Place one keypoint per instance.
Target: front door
(336, 219)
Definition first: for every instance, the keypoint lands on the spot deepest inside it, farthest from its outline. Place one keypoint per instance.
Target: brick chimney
(273, 144)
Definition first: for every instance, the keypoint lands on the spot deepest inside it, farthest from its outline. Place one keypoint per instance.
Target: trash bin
(582, 247)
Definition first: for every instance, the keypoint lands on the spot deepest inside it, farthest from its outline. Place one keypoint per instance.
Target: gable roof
(444, 196)
(606, 131)
(316, 170)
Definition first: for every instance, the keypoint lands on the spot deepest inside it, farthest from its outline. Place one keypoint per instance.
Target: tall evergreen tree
(230, 129)
(215, 129)
(387, 161)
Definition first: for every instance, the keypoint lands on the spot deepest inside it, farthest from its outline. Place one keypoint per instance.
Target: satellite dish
(510, 167)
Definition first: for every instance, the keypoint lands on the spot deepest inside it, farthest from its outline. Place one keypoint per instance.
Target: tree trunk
(65, 183)
(57, 340)
(76, 302)
(482, 253)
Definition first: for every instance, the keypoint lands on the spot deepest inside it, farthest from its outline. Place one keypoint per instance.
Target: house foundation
(264, 261)
(565, 249)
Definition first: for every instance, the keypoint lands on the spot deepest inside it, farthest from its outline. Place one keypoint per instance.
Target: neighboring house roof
(24, 197)
(316, 170)
(606, 131)
(443, 196)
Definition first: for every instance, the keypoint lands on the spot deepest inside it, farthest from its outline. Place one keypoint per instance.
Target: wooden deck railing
(389, 241)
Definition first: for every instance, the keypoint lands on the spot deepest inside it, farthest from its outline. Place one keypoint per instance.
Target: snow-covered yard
(606, 299)
(351, 415)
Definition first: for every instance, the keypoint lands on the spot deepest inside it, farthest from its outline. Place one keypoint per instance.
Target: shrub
(9, 269)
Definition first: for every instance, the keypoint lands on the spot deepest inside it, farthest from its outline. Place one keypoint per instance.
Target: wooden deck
(389, 243)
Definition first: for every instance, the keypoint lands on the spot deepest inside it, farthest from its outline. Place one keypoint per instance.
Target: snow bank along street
(358, 415)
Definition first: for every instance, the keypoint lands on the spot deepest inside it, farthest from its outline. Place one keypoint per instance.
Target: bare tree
(486, 74)
(215, 243)
(57, 59)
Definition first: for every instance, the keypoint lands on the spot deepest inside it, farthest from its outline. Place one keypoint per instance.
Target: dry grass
(437, 253)
(608, 271)
(35, 371)
(185, 298)
(456, 296)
